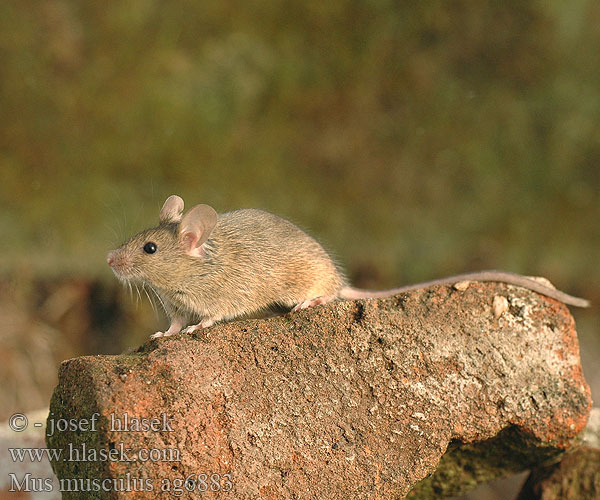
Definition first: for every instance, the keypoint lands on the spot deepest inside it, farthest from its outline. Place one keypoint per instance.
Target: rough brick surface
(577, 475)
(349, 400)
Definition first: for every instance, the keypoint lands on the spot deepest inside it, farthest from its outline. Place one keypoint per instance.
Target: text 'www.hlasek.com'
(82, 449)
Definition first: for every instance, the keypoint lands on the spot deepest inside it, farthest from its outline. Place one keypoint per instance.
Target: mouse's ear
(171, 210)
(195, 228)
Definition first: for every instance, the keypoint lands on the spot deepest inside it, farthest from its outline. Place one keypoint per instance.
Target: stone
(577, 475)
(424, 394)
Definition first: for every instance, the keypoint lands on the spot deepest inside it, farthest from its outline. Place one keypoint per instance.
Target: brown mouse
(206, 267)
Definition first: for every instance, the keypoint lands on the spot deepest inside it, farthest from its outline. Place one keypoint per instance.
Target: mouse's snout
(110, 258)
(121, 263)
(118, 261)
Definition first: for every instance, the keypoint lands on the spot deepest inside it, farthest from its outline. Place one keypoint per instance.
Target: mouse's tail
(498, 276)
(360, 293)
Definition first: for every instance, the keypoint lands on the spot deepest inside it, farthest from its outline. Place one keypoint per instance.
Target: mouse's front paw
(160, 334)
(194, 328)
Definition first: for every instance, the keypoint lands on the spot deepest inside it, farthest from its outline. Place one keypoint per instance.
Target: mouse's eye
(150, 247)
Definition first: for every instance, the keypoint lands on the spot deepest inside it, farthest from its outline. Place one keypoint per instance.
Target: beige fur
(249, 263)
(253, 262)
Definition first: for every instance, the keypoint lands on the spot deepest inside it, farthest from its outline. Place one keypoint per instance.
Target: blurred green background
(415, 140)
(419, 139)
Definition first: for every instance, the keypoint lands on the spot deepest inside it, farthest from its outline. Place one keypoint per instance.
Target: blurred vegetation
(416, 140)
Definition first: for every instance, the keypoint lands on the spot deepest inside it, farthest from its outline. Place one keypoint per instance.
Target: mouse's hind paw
(312, 302)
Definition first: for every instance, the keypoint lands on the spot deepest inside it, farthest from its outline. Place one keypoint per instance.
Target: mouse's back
(266, 259)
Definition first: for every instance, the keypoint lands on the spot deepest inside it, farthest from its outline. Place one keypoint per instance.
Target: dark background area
(414, 140)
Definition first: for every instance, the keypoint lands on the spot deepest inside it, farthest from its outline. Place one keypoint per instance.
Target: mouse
(206, 267)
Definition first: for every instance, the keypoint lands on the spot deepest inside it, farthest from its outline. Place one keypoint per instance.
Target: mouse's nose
(110, 258)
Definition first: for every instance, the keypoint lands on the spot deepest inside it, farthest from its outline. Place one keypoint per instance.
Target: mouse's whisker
(146, 294)
(139, 295)
(159, 299)
(152, 303)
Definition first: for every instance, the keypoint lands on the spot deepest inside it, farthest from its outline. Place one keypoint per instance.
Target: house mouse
(206, 267)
